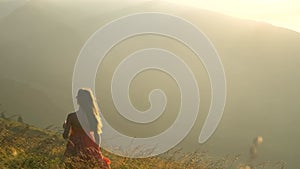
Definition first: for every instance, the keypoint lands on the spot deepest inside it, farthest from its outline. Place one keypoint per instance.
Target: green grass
(25, 146)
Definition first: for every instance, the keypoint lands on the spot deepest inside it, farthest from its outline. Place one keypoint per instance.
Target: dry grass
(24, 146)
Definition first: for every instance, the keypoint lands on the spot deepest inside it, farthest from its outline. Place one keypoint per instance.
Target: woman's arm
(67, 126)
(97, 138)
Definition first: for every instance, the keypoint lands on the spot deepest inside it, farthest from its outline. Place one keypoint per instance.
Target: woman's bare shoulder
(70, 115)
(73, 113)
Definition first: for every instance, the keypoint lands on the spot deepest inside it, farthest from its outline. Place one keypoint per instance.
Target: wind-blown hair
(87, 102)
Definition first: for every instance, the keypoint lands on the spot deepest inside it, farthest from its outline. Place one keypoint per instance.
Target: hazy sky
(284, 13)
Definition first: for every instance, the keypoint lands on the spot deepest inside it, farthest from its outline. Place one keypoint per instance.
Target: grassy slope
(25, 146)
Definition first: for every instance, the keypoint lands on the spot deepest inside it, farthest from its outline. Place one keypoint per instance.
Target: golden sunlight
(283, 13)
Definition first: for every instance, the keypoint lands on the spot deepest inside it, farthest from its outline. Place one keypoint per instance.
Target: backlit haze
(283, 13)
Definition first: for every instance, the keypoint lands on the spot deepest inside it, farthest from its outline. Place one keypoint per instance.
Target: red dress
(80, 145)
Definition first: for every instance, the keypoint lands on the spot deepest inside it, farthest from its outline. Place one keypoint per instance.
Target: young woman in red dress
(82, 129)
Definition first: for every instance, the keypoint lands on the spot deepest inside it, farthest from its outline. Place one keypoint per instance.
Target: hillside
(28, 147)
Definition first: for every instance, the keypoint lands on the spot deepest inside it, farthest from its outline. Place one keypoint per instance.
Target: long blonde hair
(87, 102)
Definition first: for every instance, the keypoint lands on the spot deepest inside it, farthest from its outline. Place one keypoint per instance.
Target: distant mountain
(30, 102)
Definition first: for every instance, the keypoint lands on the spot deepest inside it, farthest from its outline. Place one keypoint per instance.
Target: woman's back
(74, 123)
(80, 145)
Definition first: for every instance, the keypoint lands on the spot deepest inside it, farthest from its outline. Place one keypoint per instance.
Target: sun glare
(283, 13)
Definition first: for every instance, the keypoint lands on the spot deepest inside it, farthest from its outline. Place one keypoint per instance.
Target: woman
(82, 129)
